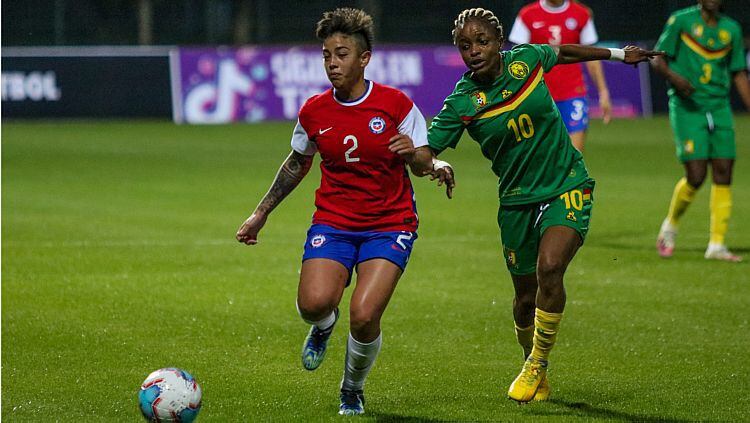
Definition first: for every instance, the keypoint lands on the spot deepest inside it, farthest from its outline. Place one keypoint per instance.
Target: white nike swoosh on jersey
(323, 131)
(537, 25)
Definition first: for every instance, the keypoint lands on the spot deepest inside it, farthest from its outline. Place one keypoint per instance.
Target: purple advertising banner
(629, 90)
(252, 84)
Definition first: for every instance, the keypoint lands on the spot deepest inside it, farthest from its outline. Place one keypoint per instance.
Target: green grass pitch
(118, 258)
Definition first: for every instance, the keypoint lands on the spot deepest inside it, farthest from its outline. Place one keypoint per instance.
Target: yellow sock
(545, 335)
(681, 198)
(525, 338)
(721, 209)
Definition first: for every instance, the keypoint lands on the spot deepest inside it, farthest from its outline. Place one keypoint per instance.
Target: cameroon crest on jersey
(698, 30)
(479, 98)
(724, 36)
(518, 70)
(510, 257)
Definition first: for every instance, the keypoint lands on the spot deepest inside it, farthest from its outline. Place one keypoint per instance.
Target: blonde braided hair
(477, 13)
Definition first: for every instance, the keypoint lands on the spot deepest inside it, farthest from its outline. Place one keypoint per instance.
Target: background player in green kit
(544, 187)
(704, 52)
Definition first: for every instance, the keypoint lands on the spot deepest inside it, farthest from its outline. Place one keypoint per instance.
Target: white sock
(359, 360)
(666, 225)
(323, 323)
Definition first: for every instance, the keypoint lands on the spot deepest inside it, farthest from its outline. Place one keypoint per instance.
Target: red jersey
(363, 185)
(571, 23)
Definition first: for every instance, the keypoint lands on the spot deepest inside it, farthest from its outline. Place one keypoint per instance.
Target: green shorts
(522, 227)
(702, 135)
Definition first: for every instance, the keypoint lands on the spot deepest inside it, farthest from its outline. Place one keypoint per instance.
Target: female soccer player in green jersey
(544, 187)
(705, 51)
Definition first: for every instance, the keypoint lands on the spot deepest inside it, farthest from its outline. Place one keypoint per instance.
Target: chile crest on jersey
(377, 125)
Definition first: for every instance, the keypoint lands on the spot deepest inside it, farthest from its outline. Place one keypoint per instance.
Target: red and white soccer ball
(170, 395)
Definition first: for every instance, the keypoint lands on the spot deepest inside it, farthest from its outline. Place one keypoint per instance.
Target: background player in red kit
(366, 215)
(558, 22)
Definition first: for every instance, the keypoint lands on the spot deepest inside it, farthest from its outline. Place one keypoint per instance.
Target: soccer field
(118, 258)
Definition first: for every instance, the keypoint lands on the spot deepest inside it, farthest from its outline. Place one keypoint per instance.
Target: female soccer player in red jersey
(546, 195)
(365, 216)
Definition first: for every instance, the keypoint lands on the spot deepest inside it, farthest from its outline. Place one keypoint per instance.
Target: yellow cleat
(542, 394)
(526, 385)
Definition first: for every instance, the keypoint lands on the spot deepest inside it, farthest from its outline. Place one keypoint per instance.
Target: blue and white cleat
(352, 403)
(314, 348)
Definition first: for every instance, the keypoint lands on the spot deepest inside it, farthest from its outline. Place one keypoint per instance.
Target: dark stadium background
(93, 22)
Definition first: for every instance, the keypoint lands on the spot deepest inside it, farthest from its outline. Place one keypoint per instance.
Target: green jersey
(704, 55)
(517, 125)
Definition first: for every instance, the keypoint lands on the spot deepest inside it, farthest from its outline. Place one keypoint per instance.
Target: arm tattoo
(291, 173)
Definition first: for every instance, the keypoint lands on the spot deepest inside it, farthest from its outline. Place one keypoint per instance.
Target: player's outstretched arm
(743, 87)
(575, 53)
(290, 174)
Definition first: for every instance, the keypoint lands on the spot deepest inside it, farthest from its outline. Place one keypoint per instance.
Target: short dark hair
(348, 21)
(477, 14)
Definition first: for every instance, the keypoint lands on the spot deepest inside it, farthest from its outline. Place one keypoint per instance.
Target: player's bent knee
(722, 177)
(695, 173)
(549, 269)
(362, 319)
(696, 181)
(314, 307)
(525, 302)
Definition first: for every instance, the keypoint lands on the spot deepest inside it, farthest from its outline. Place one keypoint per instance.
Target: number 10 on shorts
(574, 199)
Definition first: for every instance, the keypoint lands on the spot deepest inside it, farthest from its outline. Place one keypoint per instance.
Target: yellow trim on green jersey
(516, 100)
(703, 51)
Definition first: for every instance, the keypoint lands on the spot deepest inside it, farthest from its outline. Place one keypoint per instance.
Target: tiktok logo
(219, 101)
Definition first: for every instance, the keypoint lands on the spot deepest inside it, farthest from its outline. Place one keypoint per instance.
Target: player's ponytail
(479, 14)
